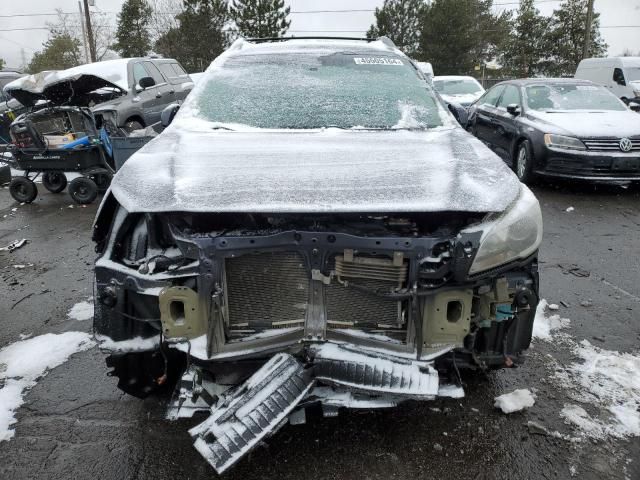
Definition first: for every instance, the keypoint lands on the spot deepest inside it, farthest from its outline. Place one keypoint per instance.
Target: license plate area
(626, 164)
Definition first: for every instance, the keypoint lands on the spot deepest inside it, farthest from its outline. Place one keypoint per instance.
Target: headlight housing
(560, 141)
(511, 235)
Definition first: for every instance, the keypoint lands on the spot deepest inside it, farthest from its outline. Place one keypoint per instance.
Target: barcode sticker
(377, 61)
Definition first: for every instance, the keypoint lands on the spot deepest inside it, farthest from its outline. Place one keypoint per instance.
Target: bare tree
(163, 17)
(103, 30)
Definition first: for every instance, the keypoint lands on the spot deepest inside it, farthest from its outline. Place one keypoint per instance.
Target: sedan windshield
(571, 96)
(457, 87)
(305, 90)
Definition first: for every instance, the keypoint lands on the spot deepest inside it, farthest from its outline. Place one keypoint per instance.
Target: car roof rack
(284, 39)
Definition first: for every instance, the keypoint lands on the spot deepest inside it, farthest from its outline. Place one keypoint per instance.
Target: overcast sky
(614, 13)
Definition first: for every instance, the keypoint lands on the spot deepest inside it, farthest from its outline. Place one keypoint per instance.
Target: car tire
(55, 182)
(523, 163)
(23, 190)
(83, 190)
(132, 125)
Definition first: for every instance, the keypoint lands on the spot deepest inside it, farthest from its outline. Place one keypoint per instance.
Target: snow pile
(609, 380)
(544, 326)
(23, 363)
(515, 401)
(81, 311)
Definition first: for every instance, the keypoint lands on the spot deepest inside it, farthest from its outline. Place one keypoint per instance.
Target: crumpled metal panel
(375, 373)
(257, 408)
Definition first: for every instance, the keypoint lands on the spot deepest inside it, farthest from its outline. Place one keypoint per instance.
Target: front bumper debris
(246, 414)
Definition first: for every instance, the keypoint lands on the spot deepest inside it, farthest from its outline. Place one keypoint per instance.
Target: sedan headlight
(560, 141)
(512, 235)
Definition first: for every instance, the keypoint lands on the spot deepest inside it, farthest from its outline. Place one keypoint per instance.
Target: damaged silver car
(314, 228)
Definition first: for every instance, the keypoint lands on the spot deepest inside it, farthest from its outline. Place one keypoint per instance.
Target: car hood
(624, 123)
(315, 171)
(462, 99)
(56, 87)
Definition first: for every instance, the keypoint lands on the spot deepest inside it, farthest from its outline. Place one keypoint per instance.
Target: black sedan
(564, 128)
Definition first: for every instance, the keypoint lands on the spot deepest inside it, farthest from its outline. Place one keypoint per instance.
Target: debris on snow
(515, 401)
(14, 245)
(543, 325)
(23, 363)
(81, 311)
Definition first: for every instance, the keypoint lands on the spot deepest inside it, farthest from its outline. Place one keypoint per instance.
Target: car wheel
(55, 182)
(83, 190)
(23, 190)
(523, 163)
(132, 125)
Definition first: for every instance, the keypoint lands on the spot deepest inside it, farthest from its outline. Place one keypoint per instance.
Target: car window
(492, 96)
(139, 72)
(179, 70)
(571, 96)
(168, 71)
(154, 73)
(618, 76)
(316, 89)
(510, 95)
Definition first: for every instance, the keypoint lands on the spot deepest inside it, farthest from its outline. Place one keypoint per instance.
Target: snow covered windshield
(571, 96)
(306, 90)
(457, 87)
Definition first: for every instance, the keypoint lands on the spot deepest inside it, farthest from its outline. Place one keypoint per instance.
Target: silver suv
(132, 91)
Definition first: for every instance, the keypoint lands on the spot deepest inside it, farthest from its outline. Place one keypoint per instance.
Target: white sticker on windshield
(377, 61)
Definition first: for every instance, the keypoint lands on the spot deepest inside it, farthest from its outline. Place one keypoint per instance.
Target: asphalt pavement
(75, 423)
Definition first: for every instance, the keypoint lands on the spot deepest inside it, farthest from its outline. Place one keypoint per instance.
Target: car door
(505, 123)
(151, 97)
(162, 91)
(485, 112)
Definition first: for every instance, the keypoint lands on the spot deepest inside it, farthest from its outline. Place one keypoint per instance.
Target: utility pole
(87, 18)
(587, 32)
(84, 34)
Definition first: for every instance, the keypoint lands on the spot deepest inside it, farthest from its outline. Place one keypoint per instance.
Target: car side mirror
(513, 109)
(146, 82)
(168, 113)
(635, 106)
(460, 113)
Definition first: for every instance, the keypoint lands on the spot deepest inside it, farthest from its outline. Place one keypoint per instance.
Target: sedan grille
(610, 144)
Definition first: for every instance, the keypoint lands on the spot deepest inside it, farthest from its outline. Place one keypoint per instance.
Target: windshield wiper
(222, 127)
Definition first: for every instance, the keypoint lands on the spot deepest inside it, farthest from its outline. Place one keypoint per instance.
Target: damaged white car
(313, 228)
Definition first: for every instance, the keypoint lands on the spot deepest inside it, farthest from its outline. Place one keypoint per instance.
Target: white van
(621, 75)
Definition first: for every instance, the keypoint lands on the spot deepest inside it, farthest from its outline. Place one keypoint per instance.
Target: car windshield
(571, 96)
(457, 87)
(306, 90)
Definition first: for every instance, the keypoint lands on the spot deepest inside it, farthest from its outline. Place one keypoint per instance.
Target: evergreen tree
(59, 53)
(400, 21)
(567, 35)
(457, 35)
(133, 36)
(528, 46)
(200, 35)
(260, 18)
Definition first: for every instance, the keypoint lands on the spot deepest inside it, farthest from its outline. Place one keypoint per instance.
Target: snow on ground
(544, 325)
(23, 363)
(515, 401)
(608, 380)
(81, 311)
